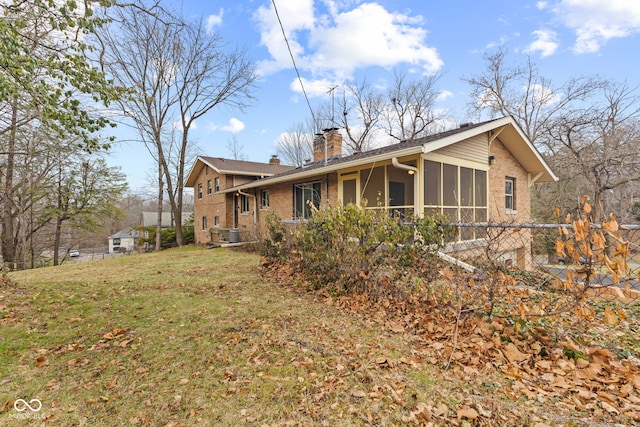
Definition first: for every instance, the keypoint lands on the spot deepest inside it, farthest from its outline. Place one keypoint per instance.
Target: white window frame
(510, 197)
(265, 199)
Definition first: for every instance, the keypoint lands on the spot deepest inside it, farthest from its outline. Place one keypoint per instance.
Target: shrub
(352, 249)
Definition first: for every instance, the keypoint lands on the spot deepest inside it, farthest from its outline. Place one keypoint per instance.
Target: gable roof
(126, 233)
(505, 128)
(233, 167)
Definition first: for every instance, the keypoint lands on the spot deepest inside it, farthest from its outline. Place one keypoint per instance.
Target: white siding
(475, 149)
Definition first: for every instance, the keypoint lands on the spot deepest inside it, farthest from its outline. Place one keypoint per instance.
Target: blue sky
(334, 41)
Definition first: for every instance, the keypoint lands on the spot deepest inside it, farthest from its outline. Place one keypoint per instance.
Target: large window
(306, 195)
(459, 193)
(217, 184)
(209, 187)
(199, 191)
(204, 223)
(510, 194)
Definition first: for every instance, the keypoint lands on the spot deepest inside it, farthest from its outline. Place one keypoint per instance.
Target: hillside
(192, 337)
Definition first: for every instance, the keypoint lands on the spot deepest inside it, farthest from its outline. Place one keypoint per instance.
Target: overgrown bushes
(351, 249)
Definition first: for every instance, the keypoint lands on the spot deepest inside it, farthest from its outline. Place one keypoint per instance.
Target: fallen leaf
(467, 413)
(42, 361)
(610, 317)
(514, 355)
(609, 408)
(358, 393)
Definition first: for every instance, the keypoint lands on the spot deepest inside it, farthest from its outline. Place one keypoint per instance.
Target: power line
(284, 35)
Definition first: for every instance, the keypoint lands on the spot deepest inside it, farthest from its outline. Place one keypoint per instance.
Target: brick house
(217, 211)
(475, 173)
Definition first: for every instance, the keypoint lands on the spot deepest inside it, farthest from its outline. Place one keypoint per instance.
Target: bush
(350, 249)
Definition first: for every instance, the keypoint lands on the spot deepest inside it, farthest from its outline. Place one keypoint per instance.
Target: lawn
(194, 337)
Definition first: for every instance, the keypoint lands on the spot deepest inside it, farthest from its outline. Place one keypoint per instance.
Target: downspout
(416, 193)
(255, 205)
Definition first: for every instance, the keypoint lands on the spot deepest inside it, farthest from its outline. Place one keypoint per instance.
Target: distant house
(123, 241)
(150, 219)
(475, 173)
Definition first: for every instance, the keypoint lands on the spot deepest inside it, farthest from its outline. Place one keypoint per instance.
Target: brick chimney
(274, 160)
(334, 144)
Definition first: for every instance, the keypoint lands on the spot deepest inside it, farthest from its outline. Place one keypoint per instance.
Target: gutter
(416, 192)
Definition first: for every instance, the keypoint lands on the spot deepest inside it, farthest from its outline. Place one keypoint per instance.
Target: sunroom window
(457, 192)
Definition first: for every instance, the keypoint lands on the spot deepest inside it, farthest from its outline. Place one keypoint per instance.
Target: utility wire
(293, 60)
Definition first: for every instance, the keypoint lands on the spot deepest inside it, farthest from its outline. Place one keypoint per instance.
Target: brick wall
(514, 245)
(210, 205)
(506, 166)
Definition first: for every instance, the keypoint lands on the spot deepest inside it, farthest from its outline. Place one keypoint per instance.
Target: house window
(209, 187)
(204, 223)
(116, 241)
(199, 191)
(264, 199)
(510, 194)
(244, 203)
(217, 181)
(305, 195)
(216, 221)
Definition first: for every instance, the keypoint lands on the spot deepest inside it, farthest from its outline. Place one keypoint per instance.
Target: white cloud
(444, 95)
(597, 21)
(542, 5)
(543, 95)
(214, 20)
(313, 88)
(546, 43)
(336, 44)
(296, 16)
(234, 126)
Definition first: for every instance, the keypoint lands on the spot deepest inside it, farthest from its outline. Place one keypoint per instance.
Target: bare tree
(521, 92)
(296, 145)
(411, 111)
(361, 108)
(587, 128)
(601, 144)
(177, 72)
(235, 148)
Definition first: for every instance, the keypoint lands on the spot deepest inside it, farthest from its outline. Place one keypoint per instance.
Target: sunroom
(437, 185)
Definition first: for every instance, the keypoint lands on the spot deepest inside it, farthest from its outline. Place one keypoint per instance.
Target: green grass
(192, 337)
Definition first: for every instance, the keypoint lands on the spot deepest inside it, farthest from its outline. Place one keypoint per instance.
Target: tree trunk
(56, 244)
(159, 219)
(7, 238)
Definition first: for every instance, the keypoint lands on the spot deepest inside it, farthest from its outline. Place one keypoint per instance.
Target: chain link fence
(535, 248)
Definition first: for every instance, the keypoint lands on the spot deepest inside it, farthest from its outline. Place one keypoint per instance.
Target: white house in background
(124, 241)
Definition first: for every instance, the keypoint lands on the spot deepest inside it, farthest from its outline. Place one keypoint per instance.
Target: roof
(150, 219)
(233, 167)
(506, 128)
(129, 233)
